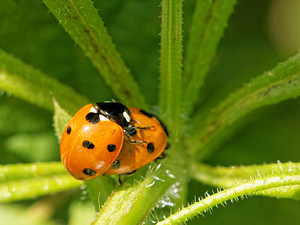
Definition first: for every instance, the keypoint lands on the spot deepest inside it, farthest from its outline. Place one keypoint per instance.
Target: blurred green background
(260, 34)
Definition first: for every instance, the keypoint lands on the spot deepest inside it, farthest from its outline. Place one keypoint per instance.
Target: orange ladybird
(93, 142)
(151, 136)
(90, 143)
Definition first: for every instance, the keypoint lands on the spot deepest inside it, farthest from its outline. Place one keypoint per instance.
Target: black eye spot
(116, 164)
(88, 171)
(111, 147)
(150, 147)
(92, 118)
(87, 144)
(69, 130)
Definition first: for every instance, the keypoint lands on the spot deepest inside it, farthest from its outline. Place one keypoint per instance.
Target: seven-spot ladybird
(90, 143)
(93, 142)
(134, 156)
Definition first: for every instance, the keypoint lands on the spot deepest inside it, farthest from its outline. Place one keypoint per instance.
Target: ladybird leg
(131, 130)
(133, 142)
(119, 180)
(132, 172)
(162, 156)
(144, 128)
(167, 146)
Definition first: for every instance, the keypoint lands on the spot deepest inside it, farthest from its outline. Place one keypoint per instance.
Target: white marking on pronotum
(103, 118)
(127, 117)
(93, 110)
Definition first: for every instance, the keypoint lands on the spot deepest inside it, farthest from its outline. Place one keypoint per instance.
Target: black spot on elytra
(89, 172)
(111, 148)
(69, 130)
(150, 147)
(87, 144)
(92, 117)
(116, 164)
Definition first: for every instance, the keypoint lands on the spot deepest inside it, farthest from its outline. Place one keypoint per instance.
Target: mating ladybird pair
(110, 138)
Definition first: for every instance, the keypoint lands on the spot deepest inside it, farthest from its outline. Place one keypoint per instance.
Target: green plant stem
(81, 20)
(100, 189)
(209, 22)
(136, 197)
(232, 193)
(30, 170)
(36, 187)
(29, 84)
(170, 64)
(281, 83)
(225, 177)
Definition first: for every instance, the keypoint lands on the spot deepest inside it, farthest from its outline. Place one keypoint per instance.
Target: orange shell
(134, 156)
(76, 157)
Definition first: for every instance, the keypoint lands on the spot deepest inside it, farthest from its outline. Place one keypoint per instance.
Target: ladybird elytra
(86, 146)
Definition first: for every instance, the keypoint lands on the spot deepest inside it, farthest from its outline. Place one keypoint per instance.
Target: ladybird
(120, 114)
(115, 111)
(91, 142)
(148, 142)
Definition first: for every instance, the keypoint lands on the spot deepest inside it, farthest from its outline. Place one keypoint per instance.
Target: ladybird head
(115, 111)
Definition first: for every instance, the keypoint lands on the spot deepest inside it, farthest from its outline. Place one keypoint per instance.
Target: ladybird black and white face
(114, 111)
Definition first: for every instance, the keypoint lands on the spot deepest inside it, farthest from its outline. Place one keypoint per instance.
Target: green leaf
(233, 193)
(225, 177)
(81, 20)
(81, 213)
(36, 187)
(61, 119)
(29, 84)
(33, 147)
(30, 170)
(26, 215)
(281, 83)
(170, 64)
(209, 22)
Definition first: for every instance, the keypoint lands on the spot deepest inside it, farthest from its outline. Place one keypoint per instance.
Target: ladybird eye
(92, 117)
(150, 147)
(69, 130)
(89, 172)
(111, 148)
(116, 164)
(88, 145)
